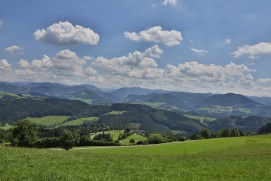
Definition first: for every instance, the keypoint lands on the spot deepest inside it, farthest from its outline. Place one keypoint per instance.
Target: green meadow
(48, 120)
(241, 158)
(79, 121)
(200, 118)
(133, 136)
(60, 120)
(7, 127)
(114, 133)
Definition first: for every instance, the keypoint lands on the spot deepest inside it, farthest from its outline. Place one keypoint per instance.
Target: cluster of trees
(206, 133)
(25, 134)
(28, 134)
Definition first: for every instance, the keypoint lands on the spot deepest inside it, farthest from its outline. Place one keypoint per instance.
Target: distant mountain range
(215, 105)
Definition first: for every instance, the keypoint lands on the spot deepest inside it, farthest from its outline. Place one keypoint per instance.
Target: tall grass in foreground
(248, 161)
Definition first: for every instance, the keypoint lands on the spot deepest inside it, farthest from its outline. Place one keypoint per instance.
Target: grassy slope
(79, 121)
(6, 127)
(201, 118)
(114, 133)
(246, 158)
(133, 136)
(49, 120)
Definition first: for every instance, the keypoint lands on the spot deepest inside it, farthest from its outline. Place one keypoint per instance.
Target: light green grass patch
(116, 112)
(114, 133)
(200, 118)
(217, 109)
(48, 120)
(2, 94)
(133, 136)
(245, 110)
(7, 127)
(89, 101)
(79, 121)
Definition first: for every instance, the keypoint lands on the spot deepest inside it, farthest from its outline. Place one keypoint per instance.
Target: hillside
(15, 107)
(244, 123)
(232, 104)
(87, 93)
(126, 91)
(166, 100)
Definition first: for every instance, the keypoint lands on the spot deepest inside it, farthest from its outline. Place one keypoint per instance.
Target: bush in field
(132, 140)
(24, 134)
(156, 139)
(67, 140)
(205, 133)
(84, 140)
(225, 133)
(48, 142)
(103, 137)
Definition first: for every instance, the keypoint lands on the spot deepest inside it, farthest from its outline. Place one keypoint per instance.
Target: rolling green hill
(232, 104)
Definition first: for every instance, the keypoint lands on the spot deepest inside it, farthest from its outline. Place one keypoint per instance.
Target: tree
(67, 140)
(24, 134)
(156, 139)
(205, 133)
(225, 132)
(132, 140)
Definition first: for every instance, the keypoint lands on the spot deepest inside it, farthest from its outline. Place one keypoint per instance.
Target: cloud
(12, 49)
(136, 64)
(156, 35)
(170, 2)
(64, 33)
(138, 69)
(87, 58)
(63, 65)
(1, 23)
(263, 48)
(264, 81)
(227, 41)
(154, 52)
(200, 52)
(4, 64)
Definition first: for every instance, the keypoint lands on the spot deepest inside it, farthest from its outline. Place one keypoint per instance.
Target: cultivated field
(242, 158)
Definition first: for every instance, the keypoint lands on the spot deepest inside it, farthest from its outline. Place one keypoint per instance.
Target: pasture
(48, 120)
(79, 121)
(114, 133)
(242, 158)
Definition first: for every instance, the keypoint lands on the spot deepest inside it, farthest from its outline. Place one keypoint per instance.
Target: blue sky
(185, 45)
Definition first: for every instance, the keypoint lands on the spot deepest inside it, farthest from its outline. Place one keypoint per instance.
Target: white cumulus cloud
(156, 35)
(12, 49)
(136, 64)
(4, 64)
(64, 33)
(170, 2)
(263, 48)
(200, 52)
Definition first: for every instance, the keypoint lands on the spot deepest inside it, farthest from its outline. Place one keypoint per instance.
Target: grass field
(48, 120)
(133, 136)
(6, 127)
(200, 118)
(79, 121)
(114, 133)
(246, 158)
(116, 112)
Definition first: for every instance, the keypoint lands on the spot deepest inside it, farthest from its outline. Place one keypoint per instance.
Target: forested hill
(15, 107)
